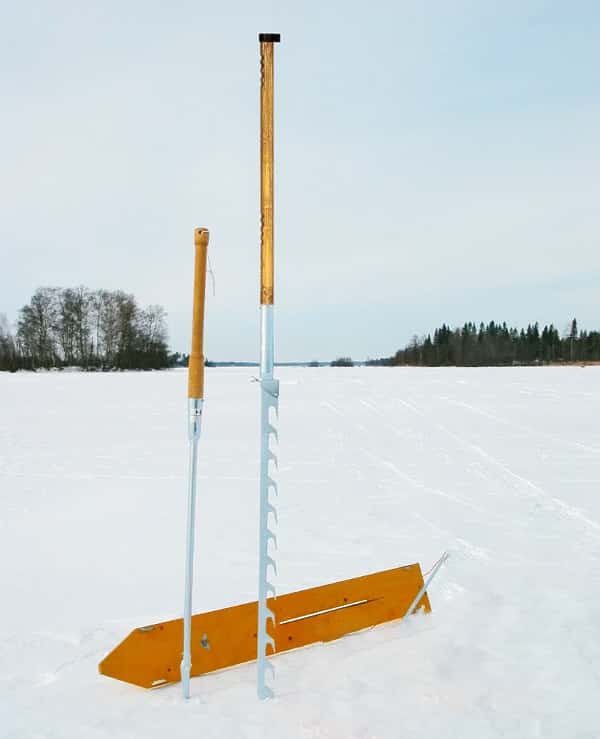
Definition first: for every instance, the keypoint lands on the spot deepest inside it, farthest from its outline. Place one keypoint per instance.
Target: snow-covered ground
(378, 468)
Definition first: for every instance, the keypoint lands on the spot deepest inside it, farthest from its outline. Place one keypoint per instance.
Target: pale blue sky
(435, 162)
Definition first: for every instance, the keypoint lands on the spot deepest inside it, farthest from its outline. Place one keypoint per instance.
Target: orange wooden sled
(150, 656)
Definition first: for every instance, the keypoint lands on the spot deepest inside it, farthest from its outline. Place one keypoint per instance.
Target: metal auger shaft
(268, 384)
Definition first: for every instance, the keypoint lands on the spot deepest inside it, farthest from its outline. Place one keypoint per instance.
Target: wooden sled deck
(150, 656)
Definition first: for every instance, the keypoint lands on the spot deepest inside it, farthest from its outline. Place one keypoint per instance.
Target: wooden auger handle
(267, 277)
(196, 365)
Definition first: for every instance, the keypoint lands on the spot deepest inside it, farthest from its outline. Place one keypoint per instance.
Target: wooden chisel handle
(196, 365)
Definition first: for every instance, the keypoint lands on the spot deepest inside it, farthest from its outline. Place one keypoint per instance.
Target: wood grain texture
(150, 656)
(267, 277)
(196, 365)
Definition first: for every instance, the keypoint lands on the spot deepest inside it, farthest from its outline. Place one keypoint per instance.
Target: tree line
(497, 344)
(92, 329)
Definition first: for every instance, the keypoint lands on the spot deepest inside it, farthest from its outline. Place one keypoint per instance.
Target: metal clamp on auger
(271, 386)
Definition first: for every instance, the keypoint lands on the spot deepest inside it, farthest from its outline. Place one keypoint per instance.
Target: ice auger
(269, 386)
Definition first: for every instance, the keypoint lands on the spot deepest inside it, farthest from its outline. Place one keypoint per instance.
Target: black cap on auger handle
(274, 37)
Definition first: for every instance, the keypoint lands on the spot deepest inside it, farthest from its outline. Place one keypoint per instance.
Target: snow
(379, 467)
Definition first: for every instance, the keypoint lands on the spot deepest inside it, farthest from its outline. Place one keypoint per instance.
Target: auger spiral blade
(268, 487)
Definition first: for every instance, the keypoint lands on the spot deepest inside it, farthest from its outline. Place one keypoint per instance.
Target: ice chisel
(195, 403)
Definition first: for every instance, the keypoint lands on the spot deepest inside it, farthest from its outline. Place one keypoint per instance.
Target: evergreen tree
(497, 344)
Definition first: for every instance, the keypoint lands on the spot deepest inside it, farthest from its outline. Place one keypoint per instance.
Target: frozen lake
(379, 467)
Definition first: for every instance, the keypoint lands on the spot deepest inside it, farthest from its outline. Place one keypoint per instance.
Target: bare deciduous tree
(77, 326)
(37, 324)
